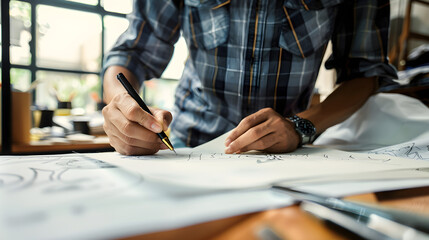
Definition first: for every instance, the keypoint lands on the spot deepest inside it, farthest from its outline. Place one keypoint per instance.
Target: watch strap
(304, 138)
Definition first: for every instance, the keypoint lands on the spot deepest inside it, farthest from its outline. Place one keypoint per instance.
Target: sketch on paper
(32, 188)
(304, 154)
(258, 157)
(52, 174)
(408, 150)
(200, 156)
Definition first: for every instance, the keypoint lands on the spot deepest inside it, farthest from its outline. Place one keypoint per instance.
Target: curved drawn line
(19, 179)
(31, 181)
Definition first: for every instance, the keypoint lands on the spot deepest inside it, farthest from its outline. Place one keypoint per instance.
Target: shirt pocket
(308, 25)
(206, 22)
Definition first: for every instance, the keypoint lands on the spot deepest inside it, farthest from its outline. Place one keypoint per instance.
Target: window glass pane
(89, 2)
(124, 6)
(20, 34)
(68, 39)
(114, 26)
(77, 88)
(20, 79)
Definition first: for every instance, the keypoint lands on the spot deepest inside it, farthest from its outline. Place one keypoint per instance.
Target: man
(252, 68)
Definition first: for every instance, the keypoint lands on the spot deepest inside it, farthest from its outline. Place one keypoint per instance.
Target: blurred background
(60, 45)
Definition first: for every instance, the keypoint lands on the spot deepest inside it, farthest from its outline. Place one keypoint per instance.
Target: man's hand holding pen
(131, 130)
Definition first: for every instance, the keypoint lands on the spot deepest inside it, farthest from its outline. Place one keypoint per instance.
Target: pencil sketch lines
(197, 157)
(410, 150)
(270, 158)
(64, 185)
(53, 175)
(381, 159)
(29, 181)
(9, 179)
(423, 169)
(80, 162)
(259, 158)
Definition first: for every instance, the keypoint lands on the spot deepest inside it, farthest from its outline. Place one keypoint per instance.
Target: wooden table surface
(291, 222)
(100, 143)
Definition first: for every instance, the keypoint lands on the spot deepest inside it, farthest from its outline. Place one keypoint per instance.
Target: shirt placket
(255, 58)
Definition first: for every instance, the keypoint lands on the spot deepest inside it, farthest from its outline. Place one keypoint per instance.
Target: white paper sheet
(417, 148)
(347, 188)
(76, 197)
(237, 171)
(386, 120)
(216, 145)
(352, 184)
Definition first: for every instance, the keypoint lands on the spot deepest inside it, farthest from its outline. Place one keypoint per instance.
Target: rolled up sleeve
(146, 47)
(360, 41)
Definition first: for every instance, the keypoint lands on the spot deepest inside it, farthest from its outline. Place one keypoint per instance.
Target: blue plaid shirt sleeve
(360, 41)
(146, 47)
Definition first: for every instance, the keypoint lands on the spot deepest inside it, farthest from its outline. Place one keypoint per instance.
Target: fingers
(128, 137)
(265, 130)
(133, 112)
(126, 149)
(273, 143)
(130, 129)
(245, 124)
(130, 132)
(262, 143)
(256, 138)
(249, 130)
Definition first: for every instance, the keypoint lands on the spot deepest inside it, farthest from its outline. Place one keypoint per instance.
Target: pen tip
(168, 144)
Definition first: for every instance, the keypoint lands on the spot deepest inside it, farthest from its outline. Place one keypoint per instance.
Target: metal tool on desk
(268, 233)
(368, 222)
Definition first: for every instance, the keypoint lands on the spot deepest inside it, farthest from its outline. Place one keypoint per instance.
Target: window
(58, 45)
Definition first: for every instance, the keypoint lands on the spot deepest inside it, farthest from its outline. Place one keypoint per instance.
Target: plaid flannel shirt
(246, 55)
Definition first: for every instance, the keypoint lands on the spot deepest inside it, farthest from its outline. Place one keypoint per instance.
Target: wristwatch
(305, 129)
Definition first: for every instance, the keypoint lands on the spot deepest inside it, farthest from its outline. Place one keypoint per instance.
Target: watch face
(306, 127)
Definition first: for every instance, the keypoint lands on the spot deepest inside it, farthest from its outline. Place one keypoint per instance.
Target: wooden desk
(98, 144)
(291, 222)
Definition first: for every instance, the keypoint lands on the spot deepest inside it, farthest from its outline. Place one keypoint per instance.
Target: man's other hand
(264, 130)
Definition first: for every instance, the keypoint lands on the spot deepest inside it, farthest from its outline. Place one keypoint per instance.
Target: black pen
(137, 98)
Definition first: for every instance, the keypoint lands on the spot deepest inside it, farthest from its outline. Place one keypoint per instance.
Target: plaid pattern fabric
(246, 55)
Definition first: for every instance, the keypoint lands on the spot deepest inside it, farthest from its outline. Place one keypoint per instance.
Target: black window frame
(32, 67)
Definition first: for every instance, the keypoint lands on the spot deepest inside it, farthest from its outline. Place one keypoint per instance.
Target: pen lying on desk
(369, 222)
(345, 221)
(137, 98)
